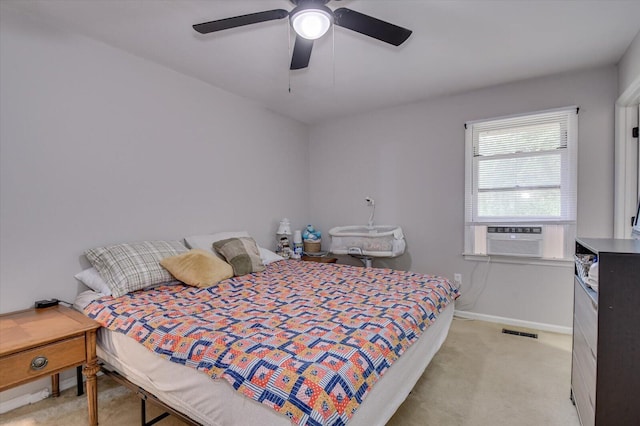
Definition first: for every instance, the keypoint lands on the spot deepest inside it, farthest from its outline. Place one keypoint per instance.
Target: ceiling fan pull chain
(333, 52)
(289, 53)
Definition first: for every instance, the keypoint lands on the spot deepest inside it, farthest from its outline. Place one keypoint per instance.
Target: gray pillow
(133, 266)
(241, 253)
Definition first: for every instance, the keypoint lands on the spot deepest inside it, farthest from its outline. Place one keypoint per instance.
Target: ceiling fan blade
(370, 26)
(301, 53)
(239, 21)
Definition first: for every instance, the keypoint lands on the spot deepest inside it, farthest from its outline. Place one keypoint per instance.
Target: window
(521, 173)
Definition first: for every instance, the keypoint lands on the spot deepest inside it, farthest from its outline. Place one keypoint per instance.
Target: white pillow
(268, 256)
(92, 279)
(205, 241)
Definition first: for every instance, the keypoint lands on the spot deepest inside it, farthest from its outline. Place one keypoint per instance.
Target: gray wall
(99, 147)
(410, 159)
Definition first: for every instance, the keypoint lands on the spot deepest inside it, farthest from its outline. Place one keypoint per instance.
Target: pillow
(92, 279)
(134, 266)
(197, 267)
(268, 256)
(242, 253)
(205, 241)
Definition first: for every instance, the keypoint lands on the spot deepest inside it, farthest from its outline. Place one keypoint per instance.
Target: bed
(298, 343)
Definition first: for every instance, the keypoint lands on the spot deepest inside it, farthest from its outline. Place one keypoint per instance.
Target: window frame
(568, 181)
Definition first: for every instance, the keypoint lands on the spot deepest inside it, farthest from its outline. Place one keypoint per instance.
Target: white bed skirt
(215, 402)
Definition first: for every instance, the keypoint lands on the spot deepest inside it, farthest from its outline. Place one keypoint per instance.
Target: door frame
(627, 167)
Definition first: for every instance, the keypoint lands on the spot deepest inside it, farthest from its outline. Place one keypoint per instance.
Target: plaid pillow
(134, 266)
(241, 253)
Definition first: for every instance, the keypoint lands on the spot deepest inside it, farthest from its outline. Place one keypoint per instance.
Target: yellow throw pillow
(197, 267)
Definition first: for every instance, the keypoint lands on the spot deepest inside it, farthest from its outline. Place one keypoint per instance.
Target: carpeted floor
(480, 377)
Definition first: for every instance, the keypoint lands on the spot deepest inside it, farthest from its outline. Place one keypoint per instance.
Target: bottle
(297, 245)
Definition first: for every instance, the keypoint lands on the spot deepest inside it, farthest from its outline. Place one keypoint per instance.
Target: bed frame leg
(144, 395)
(143, 412)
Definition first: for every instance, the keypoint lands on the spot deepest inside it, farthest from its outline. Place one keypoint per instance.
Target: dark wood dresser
(605, 373)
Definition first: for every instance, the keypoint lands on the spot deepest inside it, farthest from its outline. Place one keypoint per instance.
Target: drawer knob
(39, 362)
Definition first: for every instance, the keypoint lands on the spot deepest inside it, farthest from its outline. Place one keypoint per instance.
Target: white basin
(374, 241)
(342, 231)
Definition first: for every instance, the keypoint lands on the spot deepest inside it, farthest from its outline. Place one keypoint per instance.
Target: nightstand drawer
(42, 361)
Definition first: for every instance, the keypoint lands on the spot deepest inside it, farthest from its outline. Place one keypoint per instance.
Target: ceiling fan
(311, 19)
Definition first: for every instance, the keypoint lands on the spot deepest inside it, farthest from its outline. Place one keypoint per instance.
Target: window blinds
(523, 168)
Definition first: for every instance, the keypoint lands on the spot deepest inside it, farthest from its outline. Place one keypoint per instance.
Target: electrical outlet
(457, 278)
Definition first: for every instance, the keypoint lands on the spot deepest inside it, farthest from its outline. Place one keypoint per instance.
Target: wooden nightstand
(35, 343)
(320, 259)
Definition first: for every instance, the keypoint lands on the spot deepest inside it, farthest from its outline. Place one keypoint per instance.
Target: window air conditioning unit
(523, 241)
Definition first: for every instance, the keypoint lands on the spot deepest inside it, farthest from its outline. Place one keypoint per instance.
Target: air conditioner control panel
(514, 229)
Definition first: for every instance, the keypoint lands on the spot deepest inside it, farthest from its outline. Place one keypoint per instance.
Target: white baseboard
(32, 398)
(515, 322)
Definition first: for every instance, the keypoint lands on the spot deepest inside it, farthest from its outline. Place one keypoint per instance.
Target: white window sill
(566, 263)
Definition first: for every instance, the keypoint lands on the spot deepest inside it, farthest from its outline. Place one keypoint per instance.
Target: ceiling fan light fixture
(311, 23)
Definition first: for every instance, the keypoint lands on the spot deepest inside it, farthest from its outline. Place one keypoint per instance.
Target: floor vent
(520, 333)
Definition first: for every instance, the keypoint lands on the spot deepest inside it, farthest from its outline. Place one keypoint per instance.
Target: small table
(35, 343)
(320, 259)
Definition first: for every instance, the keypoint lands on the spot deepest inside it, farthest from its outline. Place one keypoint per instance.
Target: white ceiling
(455, 46)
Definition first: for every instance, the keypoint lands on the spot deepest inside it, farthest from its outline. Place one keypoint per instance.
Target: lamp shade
(284, 228)
(311, 23)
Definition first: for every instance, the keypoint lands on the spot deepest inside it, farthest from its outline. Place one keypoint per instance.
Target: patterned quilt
(307, 339)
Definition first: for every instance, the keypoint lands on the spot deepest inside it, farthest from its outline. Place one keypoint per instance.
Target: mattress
(216, 402)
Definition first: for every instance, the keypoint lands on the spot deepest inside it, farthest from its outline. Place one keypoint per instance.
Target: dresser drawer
(586, 315)
(584, 361)
(581, 396)
(44, 360)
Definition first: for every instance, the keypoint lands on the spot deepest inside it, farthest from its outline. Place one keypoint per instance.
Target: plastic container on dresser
(605, 370)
